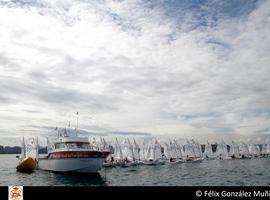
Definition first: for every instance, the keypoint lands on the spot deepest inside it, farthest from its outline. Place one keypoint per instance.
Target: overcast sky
(165, 67)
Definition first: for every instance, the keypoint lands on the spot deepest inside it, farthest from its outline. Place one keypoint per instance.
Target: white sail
(222, 151)
(153, 151)
(243, 149)
(157, 150)
(50, 146)
(127, 150)
(208, 152)
(197, 148)
(150, 152)
(257, 149)
(143, 150)
(103, 145)
(264, 149)
(173, 148)
(136, 150)
(132, 150)
(167, 151)
(234, 150)
(118, 156)
(94, 143)
(268, 149)
(179, 150)
(37, 149)
(254, 150)
(31, 147)
(23, 150)
(189, 150)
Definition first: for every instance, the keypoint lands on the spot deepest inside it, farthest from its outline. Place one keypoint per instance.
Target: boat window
(60, 146)
(73, 145)
(79, 145)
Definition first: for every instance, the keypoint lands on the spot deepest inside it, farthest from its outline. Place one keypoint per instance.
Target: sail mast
(23, 153)
(77, 120)
(37, 154)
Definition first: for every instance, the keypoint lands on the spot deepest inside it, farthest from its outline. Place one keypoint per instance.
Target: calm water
(213, 172)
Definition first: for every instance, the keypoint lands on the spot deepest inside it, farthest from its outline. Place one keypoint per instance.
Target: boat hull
(73, 165)
(155, 162)
(176, 161)
(195, 160)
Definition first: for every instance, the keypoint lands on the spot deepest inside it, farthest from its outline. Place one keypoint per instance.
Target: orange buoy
(27, 164)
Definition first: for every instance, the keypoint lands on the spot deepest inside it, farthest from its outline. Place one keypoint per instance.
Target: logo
(198, 193)
(15, 193)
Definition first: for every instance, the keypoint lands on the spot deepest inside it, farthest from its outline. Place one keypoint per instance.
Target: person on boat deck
(171, 159)
(112, 159)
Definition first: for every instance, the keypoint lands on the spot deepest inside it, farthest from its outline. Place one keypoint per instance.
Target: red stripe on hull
(78, 154)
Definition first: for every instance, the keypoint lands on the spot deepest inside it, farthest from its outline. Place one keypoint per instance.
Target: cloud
(180, 68)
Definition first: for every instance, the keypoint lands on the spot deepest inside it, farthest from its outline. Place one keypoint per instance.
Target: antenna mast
(77, 120)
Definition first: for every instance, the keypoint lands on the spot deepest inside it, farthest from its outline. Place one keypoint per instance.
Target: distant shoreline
(17, 150)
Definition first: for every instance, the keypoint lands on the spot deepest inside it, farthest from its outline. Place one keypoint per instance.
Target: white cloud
(130, 67)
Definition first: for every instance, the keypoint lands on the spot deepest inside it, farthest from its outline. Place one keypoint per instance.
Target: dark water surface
(249, 172)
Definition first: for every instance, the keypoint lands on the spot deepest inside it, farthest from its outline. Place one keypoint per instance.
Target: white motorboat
(72, 155)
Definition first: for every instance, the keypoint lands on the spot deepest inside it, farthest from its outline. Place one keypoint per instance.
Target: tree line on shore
(17, 150)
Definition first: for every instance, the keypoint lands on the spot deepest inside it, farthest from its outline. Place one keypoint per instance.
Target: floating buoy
(28, 164)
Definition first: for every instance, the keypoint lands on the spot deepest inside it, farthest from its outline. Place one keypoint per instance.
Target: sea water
(242, 172)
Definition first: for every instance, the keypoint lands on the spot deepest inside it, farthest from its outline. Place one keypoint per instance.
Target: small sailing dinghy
(117, 157)
(208, 152)
(244, 151)
(222, 151)
(153, 154)
(27, 163)
(179, 152)
(193, 152)
(173, 152)
(254, 150)
(234, 151)
(265, 152)
(136, 153)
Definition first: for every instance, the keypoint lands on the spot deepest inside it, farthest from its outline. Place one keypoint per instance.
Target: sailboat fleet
(152, 152)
